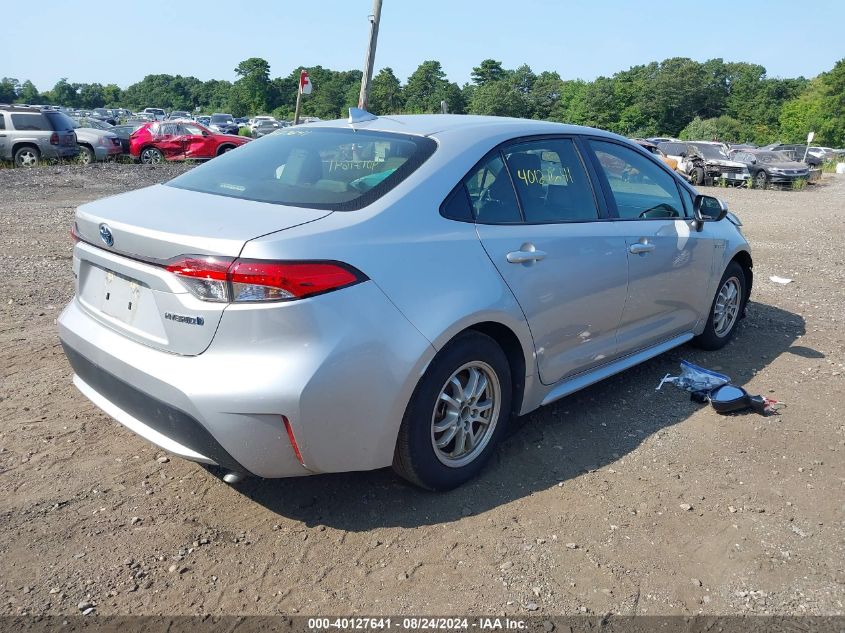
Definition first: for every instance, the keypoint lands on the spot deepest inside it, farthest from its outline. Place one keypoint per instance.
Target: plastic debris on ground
(780, 280)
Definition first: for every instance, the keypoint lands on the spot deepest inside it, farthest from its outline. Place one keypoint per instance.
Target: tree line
(734, 101)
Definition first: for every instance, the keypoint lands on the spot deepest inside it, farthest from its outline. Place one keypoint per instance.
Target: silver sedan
(351, 295)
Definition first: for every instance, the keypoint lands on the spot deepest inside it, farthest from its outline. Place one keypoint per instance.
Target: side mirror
(709, 209)
(204, 133)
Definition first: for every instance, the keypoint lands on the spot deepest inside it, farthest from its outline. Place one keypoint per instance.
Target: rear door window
(551, 181)
(34, 122)
(2, 122)
(640, 188)
(340, 169)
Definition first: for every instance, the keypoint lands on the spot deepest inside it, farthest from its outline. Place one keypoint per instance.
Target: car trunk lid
(127, 240)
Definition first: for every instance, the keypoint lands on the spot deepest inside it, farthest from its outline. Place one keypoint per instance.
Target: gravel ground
(617, 499)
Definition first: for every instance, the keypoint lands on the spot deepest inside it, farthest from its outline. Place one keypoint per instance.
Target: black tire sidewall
(89, 152)
(709, 339)
(418, 460)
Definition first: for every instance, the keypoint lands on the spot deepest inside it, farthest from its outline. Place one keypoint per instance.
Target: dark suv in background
(29, 134)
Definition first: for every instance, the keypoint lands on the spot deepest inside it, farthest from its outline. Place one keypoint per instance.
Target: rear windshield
(320, 168)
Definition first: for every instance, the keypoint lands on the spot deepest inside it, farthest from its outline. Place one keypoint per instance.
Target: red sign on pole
(304, 83)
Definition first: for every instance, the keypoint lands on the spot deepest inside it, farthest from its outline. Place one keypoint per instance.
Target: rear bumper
(156, 421)
(102, 153)
(340, 367)
(59, 151)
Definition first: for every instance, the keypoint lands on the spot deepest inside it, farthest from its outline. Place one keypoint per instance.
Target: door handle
(526, 255)
(639, 248)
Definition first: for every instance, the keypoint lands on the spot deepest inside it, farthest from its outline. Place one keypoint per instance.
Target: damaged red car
(179, 140)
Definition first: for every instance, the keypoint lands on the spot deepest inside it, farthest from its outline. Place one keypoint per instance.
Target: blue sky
(577, 39)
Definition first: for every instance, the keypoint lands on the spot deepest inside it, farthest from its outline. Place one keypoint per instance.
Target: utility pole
(369, 61)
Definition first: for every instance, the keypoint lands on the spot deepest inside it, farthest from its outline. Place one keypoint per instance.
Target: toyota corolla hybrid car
(182, 140)
(390, 291)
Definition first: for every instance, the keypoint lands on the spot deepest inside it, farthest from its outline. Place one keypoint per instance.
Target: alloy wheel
(726, 308)
(150, 156)
(27, 158)
(465, 414)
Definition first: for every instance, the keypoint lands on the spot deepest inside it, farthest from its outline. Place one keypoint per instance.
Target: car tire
(464, 397)
(27, 156)
(761, 179)
(697, 176)
(151, 156)
(224, 149)
(726, 310)
(86, 155)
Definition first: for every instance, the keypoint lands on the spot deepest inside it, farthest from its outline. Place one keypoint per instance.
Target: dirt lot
(618, 499)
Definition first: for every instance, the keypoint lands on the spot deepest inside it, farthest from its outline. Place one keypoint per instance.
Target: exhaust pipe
(233, 478)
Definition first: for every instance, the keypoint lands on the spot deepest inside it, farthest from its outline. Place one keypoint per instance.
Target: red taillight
(255, 280)
(245, 280)
(54, 138)
(205, 277)
(292, 439)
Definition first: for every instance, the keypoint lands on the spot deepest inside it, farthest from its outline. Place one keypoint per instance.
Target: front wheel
(760, 180)
(726, 310)
(457, 414)
(697, 176)
(86, 155)
(151, 156)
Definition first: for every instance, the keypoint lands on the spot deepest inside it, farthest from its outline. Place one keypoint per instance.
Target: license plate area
(119, 297)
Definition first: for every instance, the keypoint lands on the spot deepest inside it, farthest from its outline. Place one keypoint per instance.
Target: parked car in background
(718, 165)
(124, 132)
(224, 123)
(242, 122)
(264, 127)
(179, 140)
(157, 114)
(796, 152)
(203, 119)
(96, 140)
(690, 162)
(657, 140)
(300, 305)
(256, 120)
(103, 115)
(704, 162)
(178, 115)
(771, 167)
(652, 147)
(29, 135)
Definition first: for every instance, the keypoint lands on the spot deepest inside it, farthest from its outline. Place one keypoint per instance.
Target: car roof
(434, 124)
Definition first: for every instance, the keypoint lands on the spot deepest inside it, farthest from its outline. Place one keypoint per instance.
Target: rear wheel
(27, 156)
(224, 149)
(86, 155)
(726, 310)
(151, 156)
(457, 414)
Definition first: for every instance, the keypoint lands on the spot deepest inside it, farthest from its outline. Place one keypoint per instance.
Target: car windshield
(222, 118)
(91, 123)
(321, 168)
(714, 152)
(772, 157)
(673, 149)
